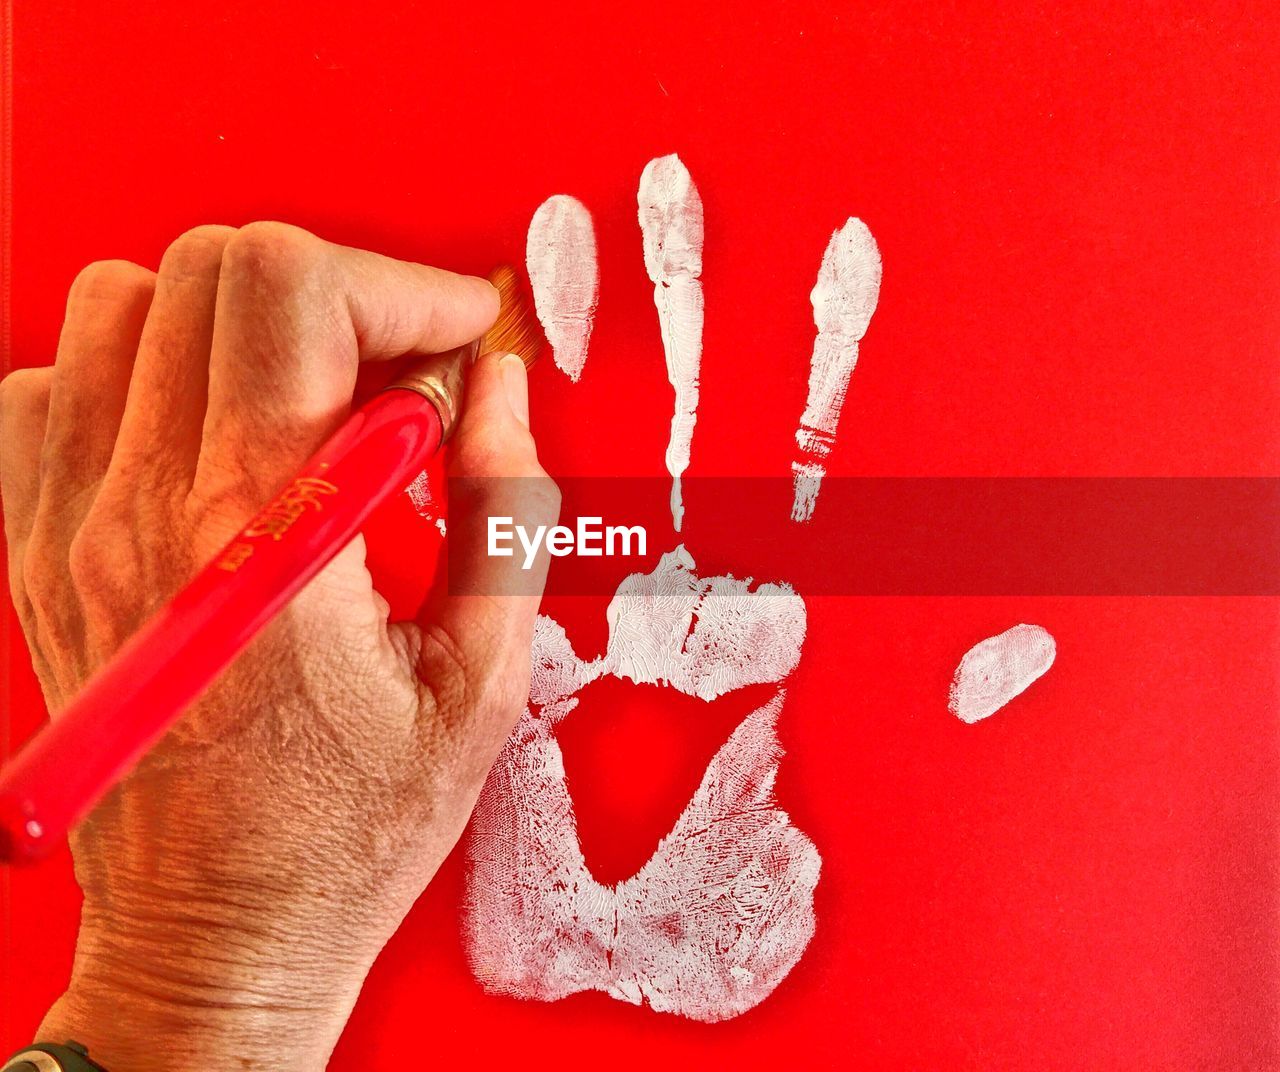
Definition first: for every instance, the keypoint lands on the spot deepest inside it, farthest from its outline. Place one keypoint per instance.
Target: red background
(1077, 210)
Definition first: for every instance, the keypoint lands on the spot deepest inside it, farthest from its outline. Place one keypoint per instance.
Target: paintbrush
(127, 706)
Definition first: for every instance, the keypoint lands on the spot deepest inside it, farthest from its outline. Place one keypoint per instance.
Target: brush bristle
(516, 331)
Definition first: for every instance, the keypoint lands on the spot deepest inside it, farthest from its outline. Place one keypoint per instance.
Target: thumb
(478, 623)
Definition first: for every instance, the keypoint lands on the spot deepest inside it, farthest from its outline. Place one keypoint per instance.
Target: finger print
(844, 299)
(671, 224)
(560, 255)
(999, 668)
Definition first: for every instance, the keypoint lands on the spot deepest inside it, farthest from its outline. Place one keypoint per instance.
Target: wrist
(181, 993)
(136, 1031)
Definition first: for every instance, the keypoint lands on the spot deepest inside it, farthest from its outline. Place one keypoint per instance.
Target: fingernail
(515, 382)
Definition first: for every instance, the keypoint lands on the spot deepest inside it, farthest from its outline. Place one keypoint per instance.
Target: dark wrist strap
(69, 1056)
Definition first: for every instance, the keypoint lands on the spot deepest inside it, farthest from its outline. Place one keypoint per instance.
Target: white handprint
(723, 910)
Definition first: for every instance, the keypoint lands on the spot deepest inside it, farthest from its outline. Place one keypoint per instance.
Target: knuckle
(103, 575)
(489, 457)
(274, 254)
(532, 499)
(85, 562)
(541, 499)
(475, 460)
(109, 281)
(442, 663)
(192, 251)
(23, 391)
(543, 509)
(42, 570)
(24, 611)
(549, 497)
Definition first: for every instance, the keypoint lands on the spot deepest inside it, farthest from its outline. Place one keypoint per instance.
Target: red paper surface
(1078, 216)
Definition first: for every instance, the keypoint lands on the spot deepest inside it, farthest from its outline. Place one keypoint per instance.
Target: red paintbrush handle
(126, 707)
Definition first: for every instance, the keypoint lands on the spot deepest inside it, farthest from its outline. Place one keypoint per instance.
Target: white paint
(844, 299)
(671, 225)
(419, 492)
(702, 637)
(560, 255)
(808, 482)
(723, 910)
(997, 669)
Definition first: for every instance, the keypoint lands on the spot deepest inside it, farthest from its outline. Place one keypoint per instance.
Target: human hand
(239, 883)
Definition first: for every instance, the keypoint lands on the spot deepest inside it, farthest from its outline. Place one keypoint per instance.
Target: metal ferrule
(439, 379)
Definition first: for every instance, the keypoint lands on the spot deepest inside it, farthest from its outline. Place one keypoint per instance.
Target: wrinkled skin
(238, 885)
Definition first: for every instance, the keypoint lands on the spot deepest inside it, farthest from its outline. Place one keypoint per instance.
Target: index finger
(294, 317)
